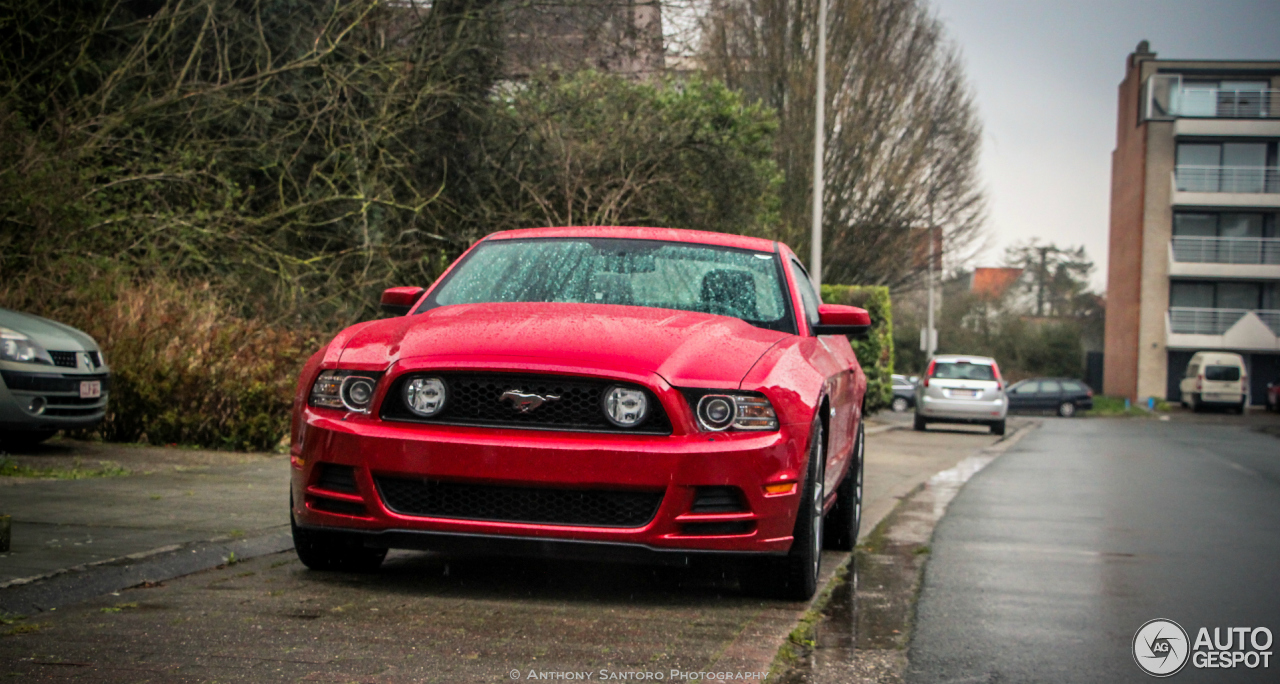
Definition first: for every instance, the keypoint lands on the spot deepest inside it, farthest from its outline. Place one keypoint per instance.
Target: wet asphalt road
(1049, 561)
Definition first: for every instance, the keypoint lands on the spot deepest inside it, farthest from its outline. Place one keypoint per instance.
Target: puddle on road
(862, 636)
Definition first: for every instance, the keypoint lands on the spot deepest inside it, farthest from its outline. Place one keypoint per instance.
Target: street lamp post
(819, 131)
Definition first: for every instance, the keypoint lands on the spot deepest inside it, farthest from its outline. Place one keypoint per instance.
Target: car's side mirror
(837, 319)
(398, 300)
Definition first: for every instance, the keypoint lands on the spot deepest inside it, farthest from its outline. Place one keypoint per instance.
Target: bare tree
(903, 137)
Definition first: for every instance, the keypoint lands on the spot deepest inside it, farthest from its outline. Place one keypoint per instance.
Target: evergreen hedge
(875, 352)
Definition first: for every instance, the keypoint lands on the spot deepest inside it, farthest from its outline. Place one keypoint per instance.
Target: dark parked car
(904, 393)
(1062, 395)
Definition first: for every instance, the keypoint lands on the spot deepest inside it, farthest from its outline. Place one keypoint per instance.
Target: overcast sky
(1045, 73)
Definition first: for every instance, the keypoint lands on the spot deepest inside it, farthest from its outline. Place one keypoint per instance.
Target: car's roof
(638, 233)
(963, 358)
(1216, 355)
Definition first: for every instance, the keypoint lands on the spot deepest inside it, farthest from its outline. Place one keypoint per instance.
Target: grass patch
(803, 638)
(1114, 406)
(21, 629)
(78, 471)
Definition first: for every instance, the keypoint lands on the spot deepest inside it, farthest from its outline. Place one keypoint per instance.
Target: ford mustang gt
(631, 394)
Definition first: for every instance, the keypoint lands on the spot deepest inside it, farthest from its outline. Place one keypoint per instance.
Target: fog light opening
(37, 405)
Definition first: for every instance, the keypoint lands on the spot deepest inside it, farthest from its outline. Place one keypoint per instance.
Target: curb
(70, 585)
(804, 626)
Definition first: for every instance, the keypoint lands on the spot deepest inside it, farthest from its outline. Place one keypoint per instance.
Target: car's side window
(807, 294)
(1028, 388)
(1192, 370)
(1072, 386)
(1050, 387)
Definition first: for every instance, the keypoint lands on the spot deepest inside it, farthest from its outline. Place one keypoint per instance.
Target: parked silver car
(962, 389)
(52, 376)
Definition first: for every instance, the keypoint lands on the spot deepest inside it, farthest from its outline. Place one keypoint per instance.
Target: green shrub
(875, 352)
(185, 369)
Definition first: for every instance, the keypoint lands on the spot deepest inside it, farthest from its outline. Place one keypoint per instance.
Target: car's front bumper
(963, 410)
(676, 467)
(63, 407)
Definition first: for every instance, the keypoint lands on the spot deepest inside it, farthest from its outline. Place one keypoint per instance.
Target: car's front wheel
(320, 550)
(900, 404)
(845, 519)
(794, 577)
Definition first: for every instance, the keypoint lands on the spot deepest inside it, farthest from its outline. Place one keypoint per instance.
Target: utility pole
(819, 139)
(1040, 277)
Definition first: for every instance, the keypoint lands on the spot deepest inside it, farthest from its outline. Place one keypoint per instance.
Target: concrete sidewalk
(449, 618)
(81, 538)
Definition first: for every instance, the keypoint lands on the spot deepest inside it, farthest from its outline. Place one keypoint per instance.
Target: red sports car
(637, 394)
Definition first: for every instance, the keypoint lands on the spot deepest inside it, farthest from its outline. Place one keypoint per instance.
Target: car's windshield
(1230, 373)
(670, 275)
(962, 370)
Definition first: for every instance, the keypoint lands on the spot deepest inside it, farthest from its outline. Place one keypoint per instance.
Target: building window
(1225, 167)
(1228, 225)
(1223, 294)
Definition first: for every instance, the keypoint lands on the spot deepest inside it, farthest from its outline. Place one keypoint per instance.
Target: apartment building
(1195, 201)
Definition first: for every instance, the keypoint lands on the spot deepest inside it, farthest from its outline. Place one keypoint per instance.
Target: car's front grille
(70, 359)
(476, 399)
(64, 358)
(463, 501)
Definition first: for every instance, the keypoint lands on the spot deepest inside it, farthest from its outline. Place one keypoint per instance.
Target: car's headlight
(14, 346)
(625, 406)
(425, 396)
(352, 390)
(718, 412)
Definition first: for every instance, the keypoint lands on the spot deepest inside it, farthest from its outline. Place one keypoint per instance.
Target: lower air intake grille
(588, 507)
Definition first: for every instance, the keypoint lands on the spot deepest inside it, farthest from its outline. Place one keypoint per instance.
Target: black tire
(1067, 409)
(333, 550)
(24, 439)
(920, 423)
(1196, 406)
(845, 519)
(794, 577)
(997, 428)
(900, 404)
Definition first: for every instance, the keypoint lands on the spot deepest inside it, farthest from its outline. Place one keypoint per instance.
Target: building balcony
(1226, 186)
(1226, 250)
(1235, 329)
(1218, 103)
(1168, 98)
(1217, 257)
(1235, 179)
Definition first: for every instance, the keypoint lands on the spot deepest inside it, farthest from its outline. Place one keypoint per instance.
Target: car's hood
(687, 349)
(46, 333)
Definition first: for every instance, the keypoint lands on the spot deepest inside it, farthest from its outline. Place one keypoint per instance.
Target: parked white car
(1215, 379)
(962, 389)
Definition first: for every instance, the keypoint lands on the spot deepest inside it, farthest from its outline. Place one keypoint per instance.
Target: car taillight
(1199, 382)
(928, 373)
(1088, 393)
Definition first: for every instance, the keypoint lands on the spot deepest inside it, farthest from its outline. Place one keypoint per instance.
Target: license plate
(90, 389)
(965, 394)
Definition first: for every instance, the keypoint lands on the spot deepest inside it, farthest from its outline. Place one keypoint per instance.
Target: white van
(1215, 379)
